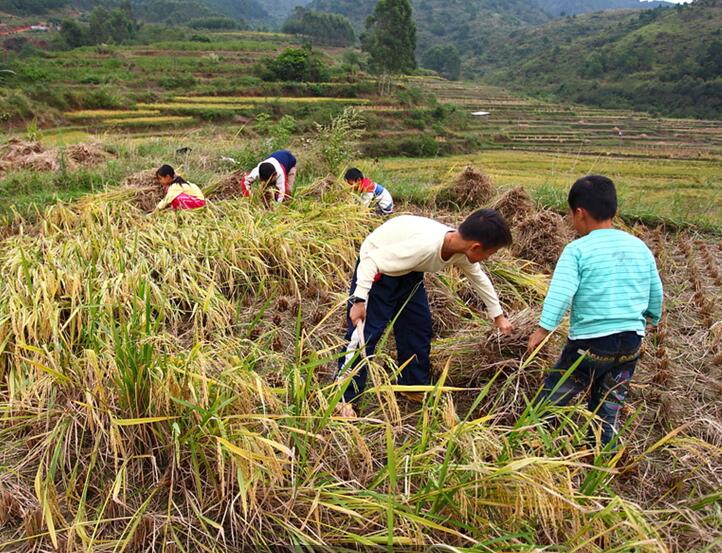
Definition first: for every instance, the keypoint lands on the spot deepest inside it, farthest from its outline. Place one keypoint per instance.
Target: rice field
(167, 385)
(527, 124)
(116, 114)
(677, 191)
(269, 99)
(189, 109)
(148, 121)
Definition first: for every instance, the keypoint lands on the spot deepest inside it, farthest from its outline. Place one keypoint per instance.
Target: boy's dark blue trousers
(401, 300)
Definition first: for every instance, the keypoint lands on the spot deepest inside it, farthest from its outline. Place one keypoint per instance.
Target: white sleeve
(252, 176)
(399, 258)
(281, 185)
(484, 288)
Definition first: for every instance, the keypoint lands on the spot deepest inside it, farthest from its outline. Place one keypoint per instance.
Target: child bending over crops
(278, 170)
(388, 284)
(609, 279)
(371, 192)
(179, 193)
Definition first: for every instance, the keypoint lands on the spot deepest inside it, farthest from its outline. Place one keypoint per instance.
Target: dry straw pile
(515, 205)
(541, 237)
(145, 190)
(19, 154)
(229, 186)
(470, 190)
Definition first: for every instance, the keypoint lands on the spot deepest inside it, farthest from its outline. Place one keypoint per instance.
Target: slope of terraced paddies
(91, 114)
(270, 99)
(147, 121)
(516, 123)
(190, 110)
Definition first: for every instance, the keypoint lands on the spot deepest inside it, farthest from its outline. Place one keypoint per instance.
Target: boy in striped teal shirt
(609, 279)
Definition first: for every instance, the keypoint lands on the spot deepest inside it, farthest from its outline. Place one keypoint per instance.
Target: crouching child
(276, 175)
(372, 193)
(388, 284)
(179, 193)
(609, 280)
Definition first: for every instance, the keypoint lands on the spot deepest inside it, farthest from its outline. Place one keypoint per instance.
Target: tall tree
(390, 37)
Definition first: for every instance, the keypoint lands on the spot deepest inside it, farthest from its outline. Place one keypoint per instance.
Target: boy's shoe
(345, 410)
(413, 397)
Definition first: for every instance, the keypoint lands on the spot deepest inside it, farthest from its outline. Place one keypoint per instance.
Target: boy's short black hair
(596, 194)
(165, 171)
(266, 171)
(488, 227)
(353, 175)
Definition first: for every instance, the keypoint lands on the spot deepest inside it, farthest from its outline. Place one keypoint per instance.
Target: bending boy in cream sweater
(388, 284)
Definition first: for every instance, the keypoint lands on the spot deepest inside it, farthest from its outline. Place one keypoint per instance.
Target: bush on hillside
(445, 60)
(294, 64)
(117, 26)
(325, 28)
(216, 23)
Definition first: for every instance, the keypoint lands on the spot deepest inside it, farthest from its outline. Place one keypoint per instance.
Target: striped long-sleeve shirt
(609, 279)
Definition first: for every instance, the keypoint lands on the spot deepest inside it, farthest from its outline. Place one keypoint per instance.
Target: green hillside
(269, 13)
(469, 25)
(665, 61)
(570, 7)
(25, 7)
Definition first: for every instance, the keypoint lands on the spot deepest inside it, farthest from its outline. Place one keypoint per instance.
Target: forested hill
(667, 61)
(571, 7)
(433, 14)
(268, 13)
(265, 13)
(470, 25)
(476, 27)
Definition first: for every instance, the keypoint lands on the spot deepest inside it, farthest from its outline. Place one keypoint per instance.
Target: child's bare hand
(536, 339)
(357, 313)
(503, 324)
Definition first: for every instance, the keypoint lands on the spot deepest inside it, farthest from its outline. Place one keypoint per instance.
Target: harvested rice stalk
(18, 148)
(327, 186)
(515, 205)
(227, 187)
(478, 352)
(541, 237)
(472, 189)
(148, 192)
(87, 155)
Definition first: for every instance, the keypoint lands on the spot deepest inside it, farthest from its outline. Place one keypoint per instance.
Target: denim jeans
(607, 369)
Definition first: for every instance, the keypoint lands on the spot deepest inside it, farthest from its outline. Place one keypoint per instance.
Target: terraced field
(190, 110)
(526, 124)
